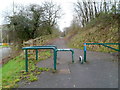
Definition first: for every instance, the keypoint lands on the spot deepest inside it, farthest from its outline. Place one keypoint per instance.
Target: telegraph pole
(13, 7)
(13, 24)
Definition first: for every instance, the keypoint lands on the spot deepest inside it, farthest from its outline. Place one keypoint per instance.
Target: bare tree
(95, 8)
(89, 9)
(101, 5)
(80, 12)
(51, 14)
(114, 9)
(105, 6)
(86, 11)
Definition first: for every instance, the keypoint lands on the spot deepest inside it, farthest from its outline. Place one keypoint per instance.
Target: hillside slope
(103, 29)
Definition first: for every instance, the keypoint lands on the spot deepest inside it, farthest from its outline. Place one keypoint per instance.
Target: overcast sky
(66, 5)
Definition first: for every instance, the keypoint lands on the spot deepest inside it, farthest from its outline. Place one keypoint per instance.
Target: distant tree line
(88, 10)
(33, 21)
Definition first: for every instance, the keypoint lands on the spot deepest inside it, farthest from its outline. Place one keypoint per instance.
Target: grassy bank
(14, 70)
(103, 29)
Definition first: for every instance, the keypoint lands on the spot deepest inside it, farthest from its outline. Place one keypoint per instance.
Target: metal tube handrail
(103, 44)
(36, 48)
(68, 50)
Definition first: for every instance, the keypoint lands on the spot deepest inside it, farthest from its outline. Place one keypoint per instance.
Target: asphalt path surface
(100, 71)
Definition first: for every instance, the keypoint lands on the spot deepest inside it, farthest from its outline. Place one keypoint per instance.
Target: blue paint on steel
(104, 44)
(85, 47)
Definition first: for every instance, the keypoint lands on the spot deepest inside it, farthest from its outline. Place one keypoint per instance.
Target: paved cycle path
(101, 70)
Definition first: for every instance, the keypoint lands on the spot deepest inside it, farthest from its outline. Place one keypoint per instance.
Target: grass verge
(14, 70)
(1, 46)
